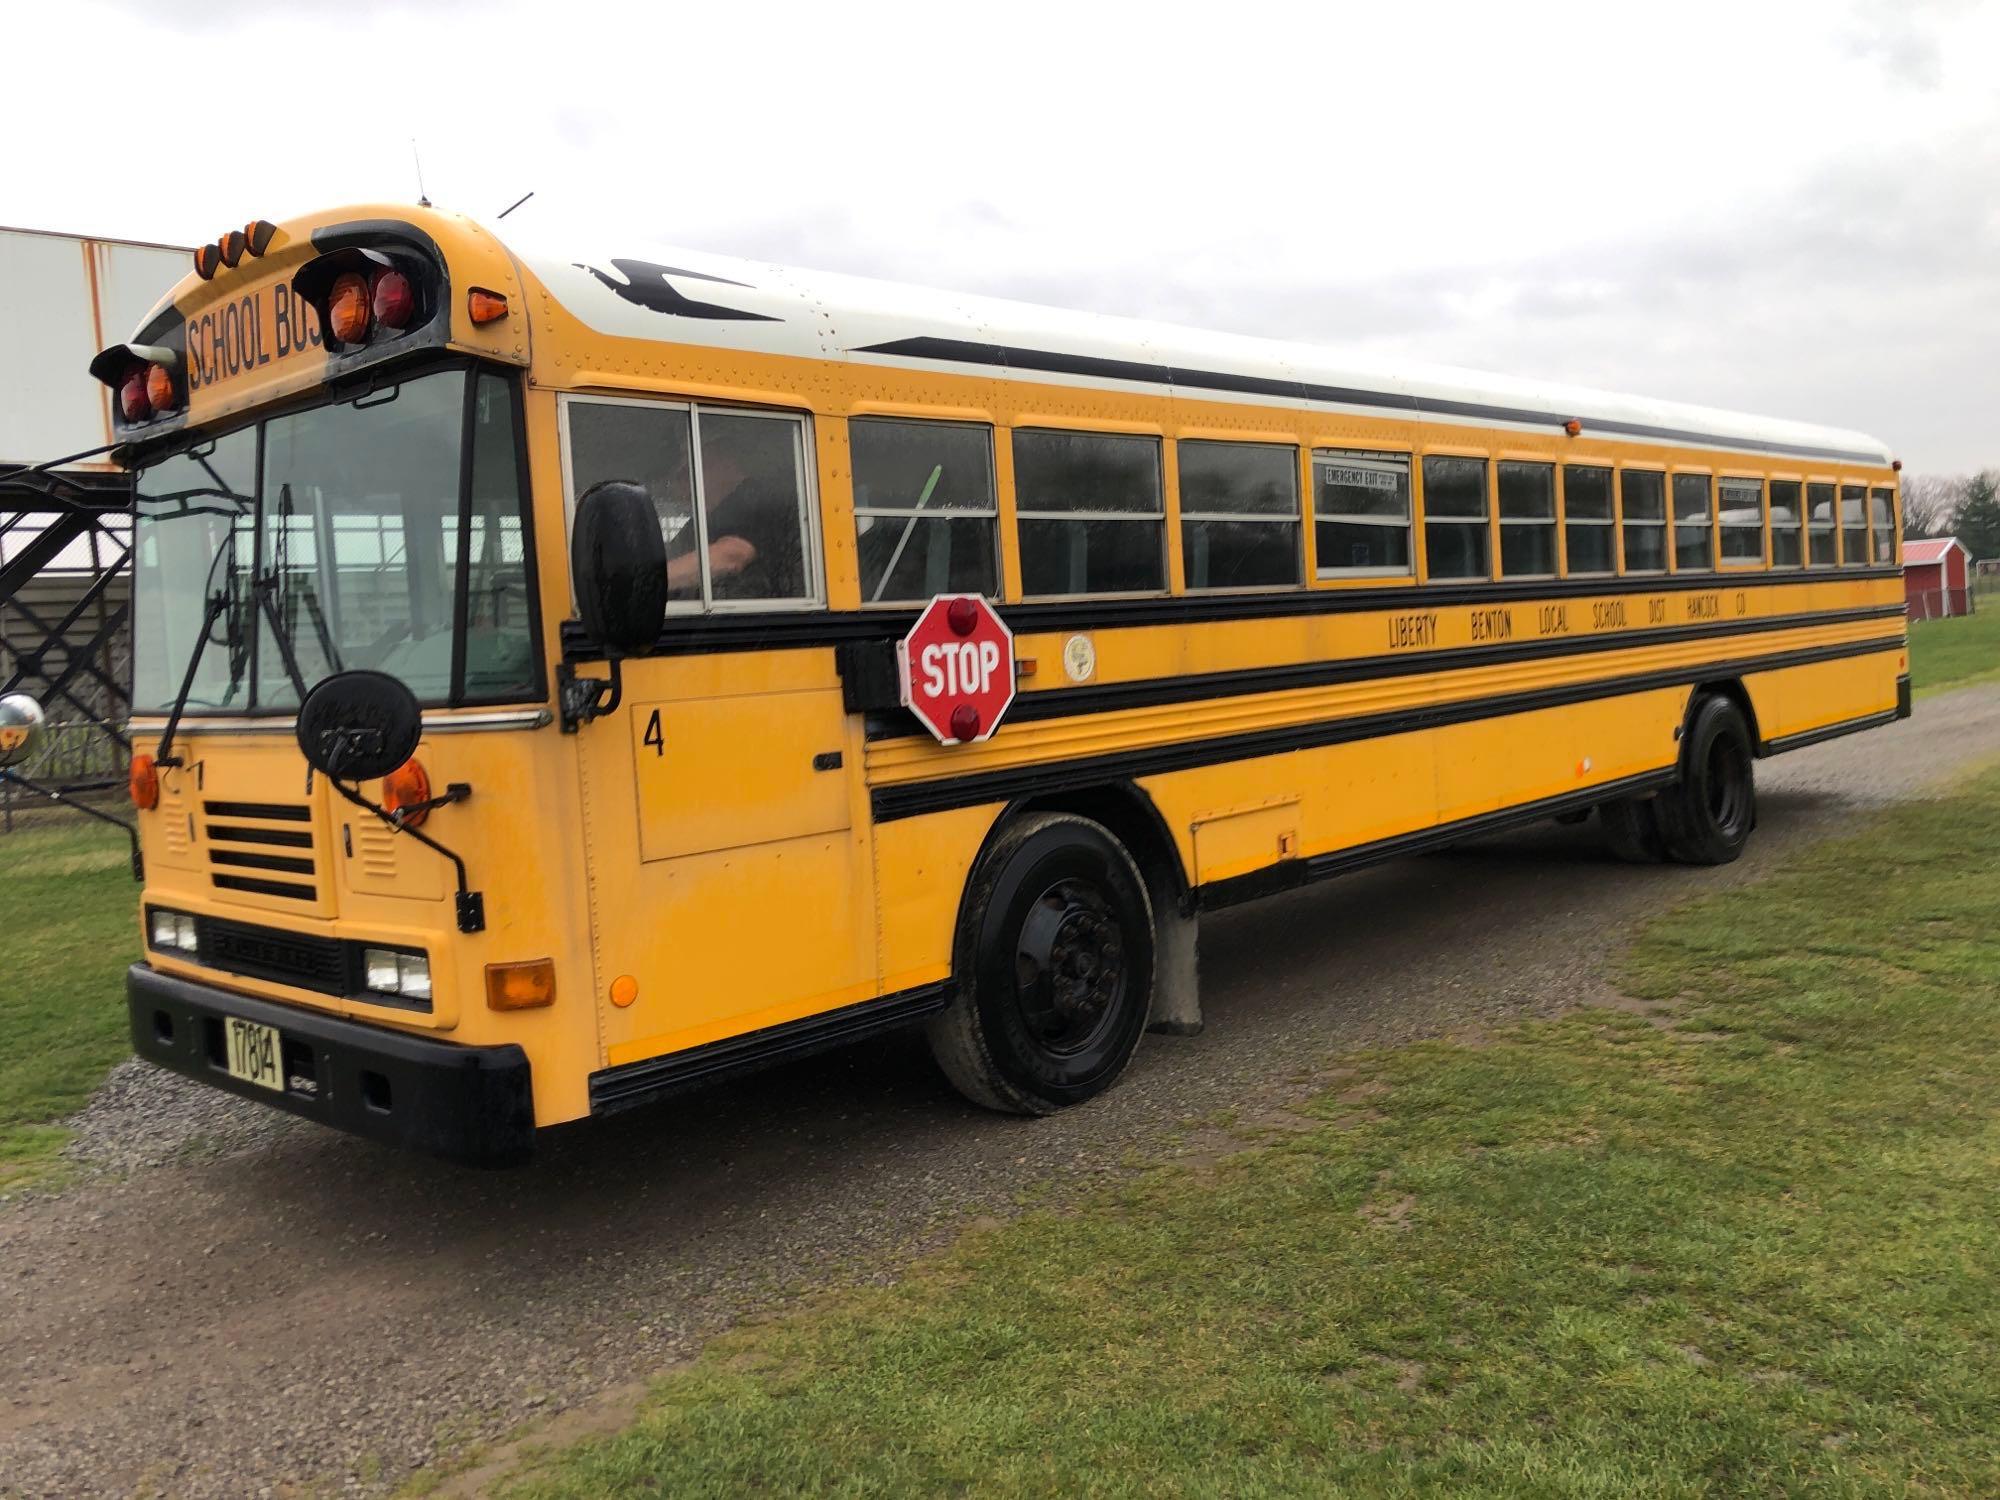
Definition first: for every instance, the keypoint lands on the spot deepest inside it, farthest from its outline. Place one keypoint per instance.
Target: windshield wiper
(216, 604)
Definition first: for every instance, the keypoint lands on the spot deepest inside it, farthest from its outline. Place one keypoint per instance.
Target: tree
(1930, 501)
(1976, 522)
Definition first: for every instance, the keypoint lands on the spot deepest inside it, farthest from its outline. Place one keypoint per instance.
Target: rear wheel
(1632, 830)
(1055, 966)
(1706, 816)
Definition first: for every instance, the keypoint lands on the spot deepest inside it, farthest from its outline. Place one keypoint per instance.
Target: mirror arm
(585, 698)
(471, 903)
(131, 830)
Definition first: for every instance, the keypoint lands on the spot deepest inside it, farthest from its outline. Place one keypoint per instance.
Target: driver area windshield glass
(353, 540)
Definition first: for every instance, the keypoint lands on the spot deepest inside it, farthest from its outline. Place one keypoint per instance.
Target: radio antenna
(423, 198)
(516, 204)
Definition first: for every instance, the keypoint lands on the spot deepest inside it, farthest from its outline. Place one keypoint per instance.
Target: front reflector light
(393, 300)
(521, 986)
(385, 971)
(347, 308)
(132, 397)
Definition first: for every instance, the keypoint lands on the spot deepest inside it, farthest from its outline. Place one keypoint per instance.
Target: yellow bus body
(690, 855)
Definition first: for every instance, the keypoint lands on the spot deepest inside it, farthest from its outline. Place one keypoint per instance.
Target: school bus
(592, 574)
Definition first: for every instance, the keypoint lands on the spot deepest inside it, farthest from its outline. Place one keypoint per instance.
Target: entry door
(728, 860)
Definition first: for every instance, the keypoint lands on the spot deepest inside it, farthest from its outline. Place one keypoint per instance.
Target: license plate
(255, 1055)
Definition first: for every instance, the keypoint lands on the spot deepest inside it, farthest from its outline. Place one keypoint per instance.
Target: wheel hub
(1069, 966)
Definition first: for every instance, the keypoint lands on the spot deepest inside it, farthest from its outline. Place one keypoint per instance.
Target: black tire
(1631, 830)
(1707, 815)
(1054, 959)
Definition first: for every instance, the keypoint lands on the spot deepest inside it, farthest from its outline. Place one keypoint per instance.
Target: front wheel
(1706, 816)
(1055, 968)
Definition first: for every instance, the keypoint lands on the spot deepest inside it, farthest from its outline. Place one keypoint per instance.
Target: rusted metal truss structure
(65, 615)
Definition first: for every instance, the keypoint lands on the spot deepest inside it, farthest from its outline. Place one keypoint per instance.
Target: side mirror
(20, 728)
(619, 564)
(358, 726)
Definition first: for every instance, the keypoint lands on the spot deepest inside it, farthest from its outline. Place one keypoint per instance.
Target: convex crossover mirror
(359, 726)
(20, 728)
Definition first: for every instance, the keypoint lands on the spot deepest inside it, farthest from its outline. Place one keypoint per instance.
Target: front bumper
(467, 1104)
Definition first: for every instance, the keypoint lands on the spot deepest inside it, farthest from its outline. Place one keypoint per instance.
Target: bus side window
(1091, 512)
(1645, 529)
(754, 517)
(1821, 537)
(1456, 544)
(1587, 519)
(1527, 520)
(924, 514)
(1361, 513)
(1787, 523)
(1693, 552)
(1239, 515)
(1742, 506)
(644, 443)
(1853, 526)
(1883, 513)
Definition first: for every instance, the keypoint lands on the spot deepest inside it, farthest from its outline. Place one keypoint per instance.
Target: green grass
(67, 931)
(1743, 1244)
(1952, 653)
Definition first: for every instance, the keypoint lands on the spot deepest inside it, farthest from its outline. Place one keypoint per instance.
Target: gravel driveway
(271, 1308)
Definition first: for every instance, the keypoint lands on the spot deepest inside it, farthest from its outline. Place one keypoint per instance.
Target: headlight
(172, 932)
(392, 973)
(415, 974)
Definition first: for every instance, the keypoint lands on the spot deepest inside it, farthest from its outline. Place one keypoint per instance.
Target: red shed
(1934, 578)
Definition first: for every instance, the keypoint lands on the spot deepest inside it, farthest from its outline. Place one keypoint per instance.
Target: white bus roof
(692, 297)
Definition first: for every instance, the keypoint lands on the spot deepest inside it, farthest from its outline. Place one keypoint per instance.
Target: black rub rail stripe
(641, 1082)
(1827, 732)
(1288, 874)
(1154, 692)
(889, 803)
(688, 636)
(1052, 362)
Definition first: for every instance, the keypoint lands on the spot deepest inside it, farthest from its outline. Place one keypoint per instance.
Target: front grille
(264, 861)
(331, 966)
(311, 963)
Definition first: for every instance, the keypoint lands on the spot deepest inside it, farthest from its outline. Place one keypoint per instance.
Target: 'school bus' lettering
(246, 333)
(1268, 688)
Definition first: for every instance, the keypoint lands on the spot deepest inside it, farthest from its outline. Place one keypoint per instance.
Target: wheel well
(1133, 820)
(1732, 688)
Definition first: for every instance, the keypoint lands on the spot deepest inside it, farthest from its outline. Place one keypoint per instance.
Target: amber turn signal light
(521, 986)
(143, 782)
(348, 308)
(1572, 427)
(405, 790)
(160, 388)
(207, 261)
(233, 245)
(485, 307)
(258, 233)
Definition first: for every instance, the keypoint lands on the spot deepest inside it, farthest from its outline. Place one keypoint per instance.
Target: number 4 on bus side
(654, 736)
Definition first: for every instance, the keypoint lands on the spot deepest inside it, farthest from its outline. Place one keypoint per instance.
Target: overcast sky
(1791, 209)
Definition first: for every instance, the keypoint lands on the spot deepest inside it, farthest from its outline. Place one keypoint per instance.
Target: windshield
(348, 517)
